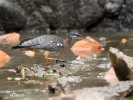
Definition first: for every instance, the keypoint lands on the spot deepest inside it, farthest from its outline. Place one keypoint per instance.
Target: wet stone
(35, 70)
(59, 85)
(41, 71)
(111, 92)
(122, 64)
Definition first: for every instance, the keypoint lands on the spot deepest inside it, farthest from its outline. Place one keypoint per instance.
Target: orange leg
(57, 60)
(47, 63)
(47, 58)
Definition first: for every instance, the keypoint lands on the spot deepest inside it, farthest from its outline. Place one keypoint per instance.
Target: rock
(122, 64)
(113, 6)
(59, 86)
(4, 58)
(12, 16)
(124, 41)
(111, 92)
(86, 47)
(41, 71)
(35, 70)
(10, 39)
(29, 53)
(42, 15)
(117, 16)
(59, 16)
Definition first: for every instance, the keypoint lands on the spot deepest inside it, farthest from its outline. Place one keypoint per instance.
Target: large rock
(87, 47)
(10, 39)
(12, 16)
(46, 15)
(122, 64)
(112, 92)
(55, 14)
(117, 16)
(66, 14)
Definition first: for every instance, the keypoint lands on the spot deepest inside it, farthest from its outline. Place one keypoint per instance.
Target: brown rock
(10, 39)
(122, 64)
(4, 58)
(86, 47)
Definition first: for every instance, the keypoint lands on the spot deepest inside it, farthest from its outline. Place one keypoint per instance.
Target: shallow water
(35, 89)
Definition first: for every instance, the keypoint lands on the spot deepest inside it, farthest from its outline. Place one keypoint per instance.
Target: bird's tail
(16, 47)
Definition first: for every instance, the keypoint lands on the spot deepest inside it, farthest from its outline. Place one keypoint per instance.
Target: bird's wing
(52, 43)
(24, 40)
(28, 43)
(21, 43)
(47, 42)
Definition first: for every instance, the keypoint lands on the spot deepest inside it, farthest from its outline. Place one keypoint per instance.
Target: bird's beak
(83, 38)
(80, 37)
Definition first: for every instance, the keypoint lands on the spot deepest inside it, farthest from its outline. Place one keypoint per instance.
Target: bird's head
(75, 34)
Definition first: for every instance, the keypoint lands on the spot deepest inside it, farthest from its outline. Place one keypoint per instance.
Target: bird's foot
(59, 60)
(62, 62)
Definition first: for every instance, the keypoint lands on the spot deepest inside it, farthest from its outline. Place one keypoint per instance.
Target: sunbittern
(48, 44)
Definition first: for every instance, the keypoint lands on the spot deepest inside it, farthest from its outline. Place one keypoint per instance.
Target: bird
(48, 44)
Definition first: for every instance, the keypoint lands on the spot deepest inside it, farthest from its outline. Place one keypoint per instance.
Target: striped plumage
(47, 44)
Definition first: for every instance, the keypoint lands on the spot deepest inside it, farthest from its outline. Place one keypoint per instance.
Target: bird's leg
(47, 63)
(47, 58)
(57, 60)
